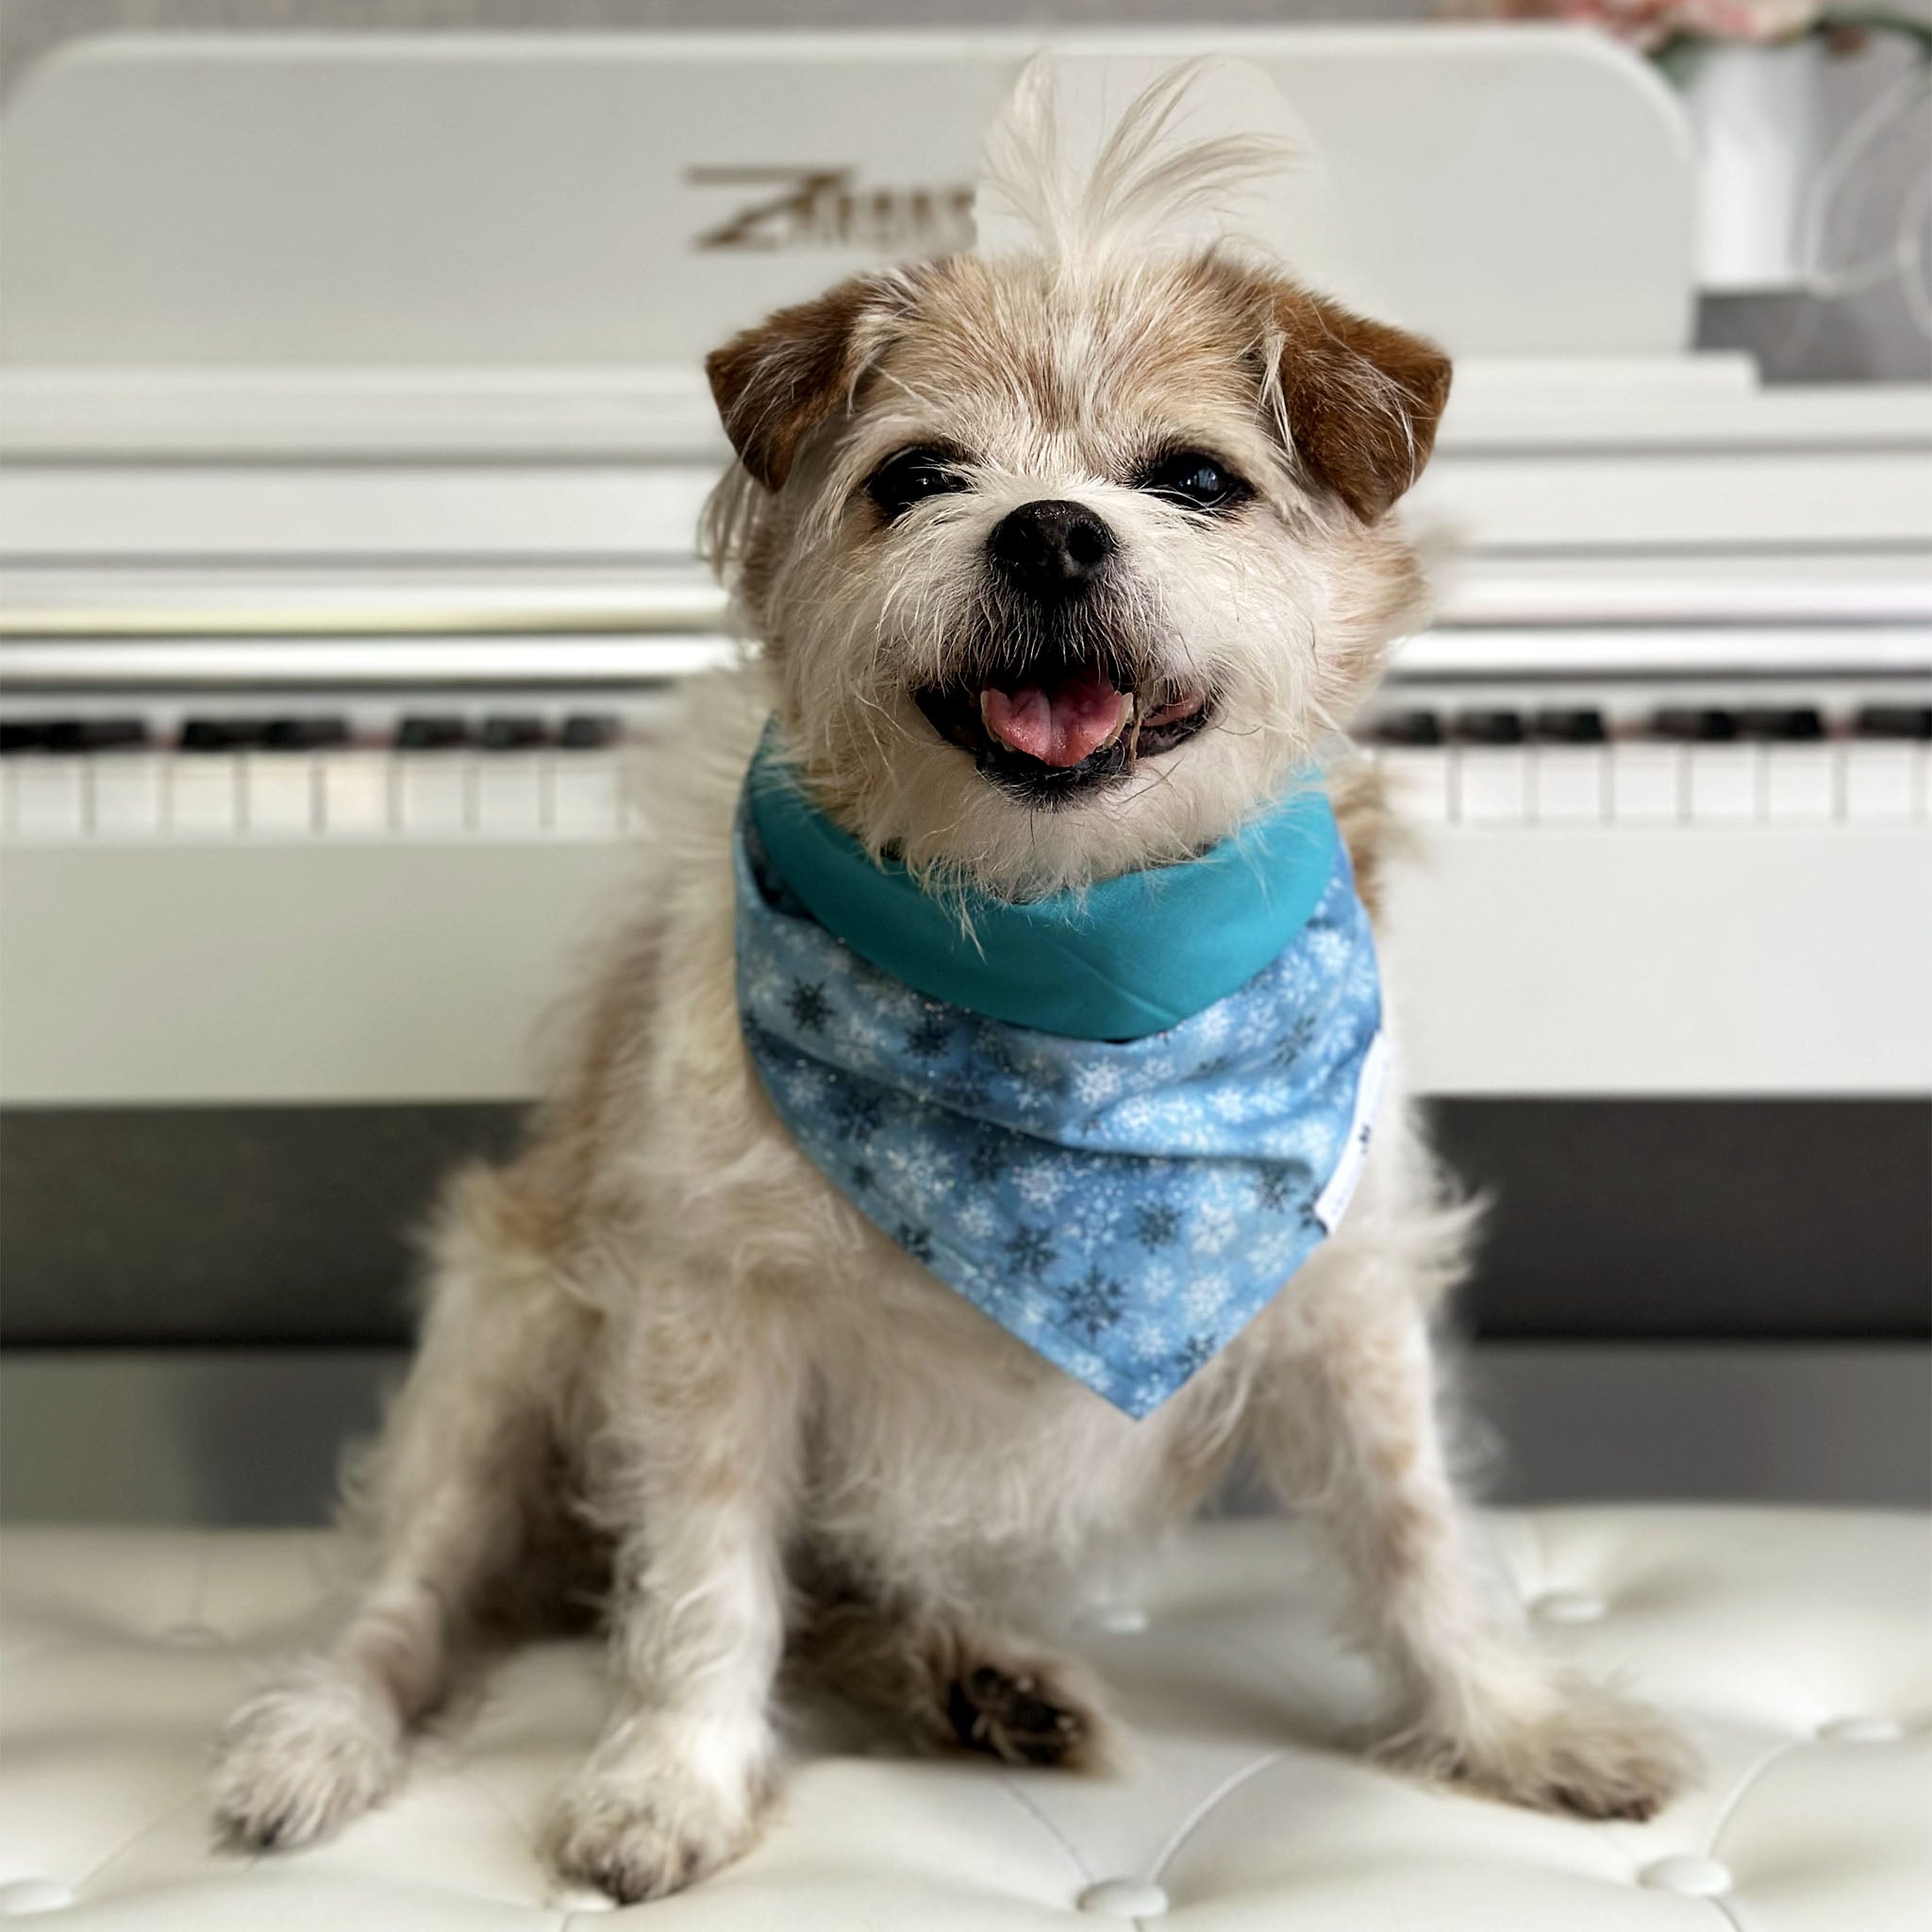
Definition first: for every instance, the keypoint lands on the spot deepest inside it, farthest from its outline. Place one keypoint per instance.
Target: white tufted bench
(1794, 1646)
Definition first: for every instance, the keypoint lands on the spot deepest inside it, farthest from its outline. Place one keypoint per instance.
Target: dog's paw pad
(1023, 1715)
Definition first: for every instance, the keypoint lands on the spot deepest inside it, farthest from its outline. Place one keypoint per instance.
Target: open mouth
(1050, 727)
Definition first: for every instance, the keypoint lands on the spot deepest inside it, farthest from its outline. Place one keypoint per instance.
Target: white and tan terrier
(1062, 567)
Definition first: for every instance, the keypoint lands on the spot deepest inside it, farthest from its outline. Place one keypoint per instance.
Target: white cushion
(1791, 1644)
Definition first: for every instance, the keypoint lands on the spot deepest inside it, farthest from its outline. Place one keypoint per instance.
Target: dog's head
(1063, 567)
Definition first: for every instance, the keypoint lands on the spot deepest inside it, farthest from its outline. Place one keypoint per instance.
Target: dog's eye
(1188, 477)
(911, 477)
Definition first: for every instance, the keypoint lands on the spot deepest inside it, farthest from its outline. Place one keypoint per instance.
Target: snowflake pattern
(807, 1004)
(1124, 1208)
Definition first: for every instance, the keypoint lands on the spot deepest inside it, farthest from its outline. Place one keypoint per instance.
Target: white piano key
(586, 795)
(432, 791)
(1571, 784)
(204, 796)
(1646, 782)
(1493, 785)
(126, 801)
(1800, 783)
(1419, 780)
(356, 792)
(1721, 783)
(281, 793)
(49, 796)
(1881, 780)
(510, 792)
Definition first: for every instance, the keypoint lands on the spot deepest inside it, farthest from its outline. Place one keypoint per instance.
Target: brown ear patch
(1362, 399)
(775, 383)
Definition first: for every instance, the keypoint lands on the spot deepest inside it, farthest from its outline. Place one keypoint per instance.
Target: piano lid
(523, 199)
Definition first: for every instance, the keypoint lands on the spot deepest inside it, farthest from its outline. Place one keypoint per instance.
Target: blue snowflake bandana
(1123, 1206)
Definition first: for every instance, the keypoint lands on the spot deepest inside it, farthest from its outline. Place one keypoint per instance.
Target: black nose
(1051, 549)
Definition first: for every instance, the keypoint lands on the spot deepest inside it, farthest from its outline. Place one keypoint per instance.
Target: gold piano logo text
(826, 208)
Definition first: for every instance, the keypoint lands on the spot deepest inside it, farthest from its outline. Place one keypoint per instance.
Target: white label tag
(1331, 1203)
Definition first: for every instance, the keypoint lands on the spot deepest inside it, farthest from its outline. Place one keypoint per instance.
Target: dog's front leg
(702, 1475)
(1350, 1433)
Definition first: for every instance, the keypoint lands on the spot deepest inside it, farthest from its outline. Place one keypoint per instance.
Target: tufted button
(27, 1895)
(1124, 1898)
(584, 1898)
(1568, 1606)
(1688, 1874)
(1861, 1730)
(1118, 1619)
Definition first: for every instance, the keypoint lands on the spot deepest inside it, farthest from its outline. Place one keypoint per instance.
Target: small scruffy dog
(1063, 566)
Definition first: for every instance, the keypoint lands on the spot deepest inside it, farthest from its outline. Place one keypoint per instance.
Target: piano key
(1570, 767)
(18, 735)
(590, 731)
(1722, 783)
(126, 800)
(208, 735)
(1491, 777)
(1782, 723)
(511, 793)
(1881, 780)
(432, 791)
(1581, 724)
(521, 731)
(204, 792)
(424, 731)
(1909, 721)
(309, 732)
(1569, 784)
(1417, 780)
(1412, 728)
(1695, 724)
(46, 795)
(280, 789)
(586, 796)
(88, 735)
(1646, 782)
(1489, 727)
(1800, 783)
(356, 792)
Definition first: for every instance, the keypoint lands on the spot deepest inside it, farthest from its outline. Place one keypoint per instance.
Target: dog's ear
(1359, 400)
(775, 383)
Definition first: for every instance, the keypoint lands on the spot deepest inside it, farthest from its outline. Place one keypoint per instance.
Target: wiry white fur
(661, 1349)
(1147, 180)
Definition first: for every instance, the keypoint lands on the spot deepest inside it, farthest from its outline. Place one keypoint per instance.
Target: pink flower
(1648, 25)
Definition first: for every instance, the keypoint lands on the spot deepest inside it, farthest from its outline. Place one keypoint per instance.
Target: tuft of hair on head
(1147, 180)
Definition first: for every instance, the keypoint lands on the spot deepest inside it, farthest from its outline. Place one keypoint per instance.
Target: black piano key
(1489, 727)
(1782, 723)
(505, 731)
(1583, 725)
(219, 734)
(590, 731)
(96, 734)
(1895, 721)
(1695, 724)
(309, 732)
(1412, 728)
(22, 734)
(431, 731)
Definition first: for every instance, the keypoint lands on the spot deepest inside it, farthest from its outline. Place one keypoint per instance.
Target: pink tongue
(1058, 726)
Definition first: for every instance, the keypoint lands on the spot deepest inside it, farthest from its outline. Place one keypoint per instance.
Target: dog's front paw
(1039, 1711)
(657, 1813)
(301, 1760)
(1588, 1750)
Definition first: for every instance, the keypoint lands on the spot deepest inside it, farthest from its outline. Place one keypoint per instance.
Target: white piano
(353, 439)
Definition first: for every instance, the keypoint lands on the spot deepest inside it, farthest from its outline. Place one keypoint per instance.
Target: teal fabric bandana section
(1126, 1206)
(1128, 957)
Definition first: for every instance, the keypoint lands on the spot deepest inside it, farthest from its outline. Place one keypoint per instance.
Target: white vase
(1757, 116)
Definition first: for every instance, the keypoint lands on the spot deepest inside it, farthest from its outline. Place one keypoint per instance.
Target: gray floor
(251, 1436)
